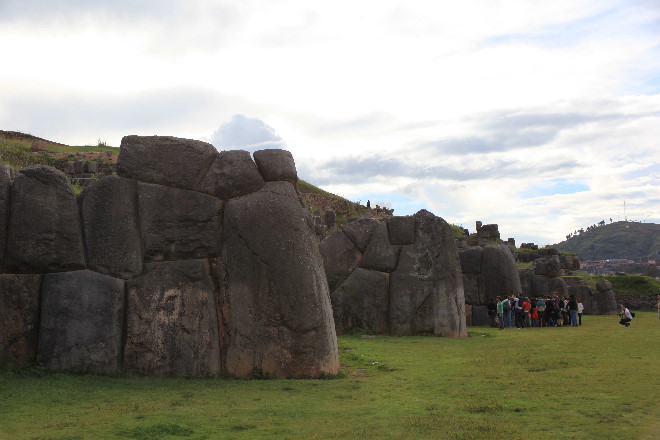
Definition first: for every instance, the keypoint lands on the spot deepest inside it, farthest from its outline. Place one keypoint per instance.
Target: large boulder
(165, 160)
(171, 321)
(177, 224)
(279, 320)
(360, 231)
(340, 257)
(472, 288)
(540, 286)
(603, 302)
(44, 233)
(548, 266)
(480, 316)
(471, 259)
(112, 231)
(426, 289)
(499, 273)
(82, 317)
(19, 317)
(232, 174)
(5, 193)
(276, 164)
(401, 229)
(603, 285)
(526, 276)
(380, 254)
(558, 285)
(361, 303)
(584, 294)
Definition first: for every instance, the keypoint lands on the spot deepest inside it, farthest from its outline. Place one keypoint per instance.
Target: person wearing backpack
(505, 308)
(626, 316)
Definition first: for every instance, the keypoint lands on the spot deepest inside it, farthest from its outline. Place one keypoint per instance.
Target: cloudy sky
(540, 116)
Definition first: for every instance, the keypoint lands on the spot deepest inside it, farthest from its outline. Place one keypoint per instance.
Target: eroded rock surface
(19, 317)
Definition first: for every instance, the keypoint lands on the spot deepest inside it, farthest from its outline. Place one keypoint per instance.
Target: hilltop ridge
(629, 240)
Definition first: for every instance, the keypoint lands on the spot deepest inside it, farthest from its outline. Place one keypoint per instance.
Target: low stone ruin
(400, 276)
(189, 262)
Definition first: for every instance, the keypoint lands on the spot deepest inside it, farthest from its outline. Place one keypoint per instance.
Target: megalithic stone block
(280, 319)
(165, 160)
(44, 233)
(171, 321)
(177, 224)
(276, 164)
(232, 174)
(19, 317)
(5, 193)
(81, 321)
(112, 231)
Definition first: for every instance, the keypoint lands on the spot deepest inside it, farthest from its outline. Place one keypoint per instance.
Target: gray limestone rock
(5, 193)
(19, 317)
(44, 233)
(360, 231)
(558, 285)
(361, 303)
(171, 321)
(480, 316)
(603, 286)
(471, 288)
(401, 229)
(526, 276)
(177, 224)
(111, 227)
(81, 321)
(471, 259)
(499, 273)
(426, 290)
(548, 267)
(276, 164)
(540, 285)
(380, 254)
(584, 294)
(165, 160)
(603, 302)
(340, 257)
(232, 174)
(279, 320)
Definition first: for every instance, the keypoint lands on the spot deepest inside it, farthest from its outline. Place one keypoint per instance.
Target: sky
(542, 117)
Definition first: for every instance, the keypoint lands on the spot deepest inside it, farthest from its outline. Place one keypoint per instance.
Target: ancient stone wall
(400, 276)
(188, 262)
(488, 272)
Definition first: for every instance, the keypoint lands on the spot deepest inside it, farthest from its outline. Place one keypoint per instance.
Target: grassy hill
(616, 240)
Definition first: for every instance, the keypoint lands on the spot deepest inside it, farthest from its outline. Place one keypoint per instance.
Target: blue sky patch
(553, 187)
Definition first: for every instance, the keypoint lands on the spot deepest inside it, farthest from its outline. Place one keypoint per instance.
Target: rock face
(5, 193)
(279, 319)
(111, 225)
(166, 160)
(81, 321)
(410, 287)
(189, 262)
(44, 233)
(489, 271)
(177, 224)
(171, 321)
(19, 317)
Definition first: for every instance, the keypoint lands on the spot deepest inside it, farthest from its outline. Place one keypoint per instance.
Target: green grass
(634, 284)
(599, 381)
(306, 187)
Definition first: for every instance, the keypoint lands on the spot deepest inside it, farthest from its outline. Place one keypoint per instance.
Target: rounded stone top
(276, 164)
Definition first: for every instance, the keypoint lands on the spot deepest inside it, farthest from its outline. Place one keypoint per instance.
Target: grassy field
(599, 381)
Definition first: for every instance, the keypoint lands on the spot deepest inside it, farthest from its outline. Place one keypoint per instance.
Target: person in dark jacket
(573, 309)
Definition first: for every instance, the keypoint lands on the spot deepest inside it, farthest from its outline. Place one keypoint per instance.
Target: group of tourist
(516, 311)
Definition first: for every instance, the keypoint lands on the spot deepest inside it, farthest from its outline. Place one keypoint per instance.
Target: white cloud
(458, 107)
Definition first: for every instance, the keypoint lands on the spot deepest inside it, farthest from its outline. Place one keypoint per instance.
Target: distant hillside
(630, 240)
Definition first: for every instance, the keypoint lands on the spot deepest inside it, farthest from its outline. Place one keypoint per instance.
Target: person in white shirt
(626, 317)
(580, 310)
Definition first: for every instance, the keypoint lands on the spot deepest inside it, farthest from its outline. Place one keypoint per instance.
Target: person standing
(540, 305)
(573, 310)
(626, 316)
(506, 313)
(580, 310)
(658, 306)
